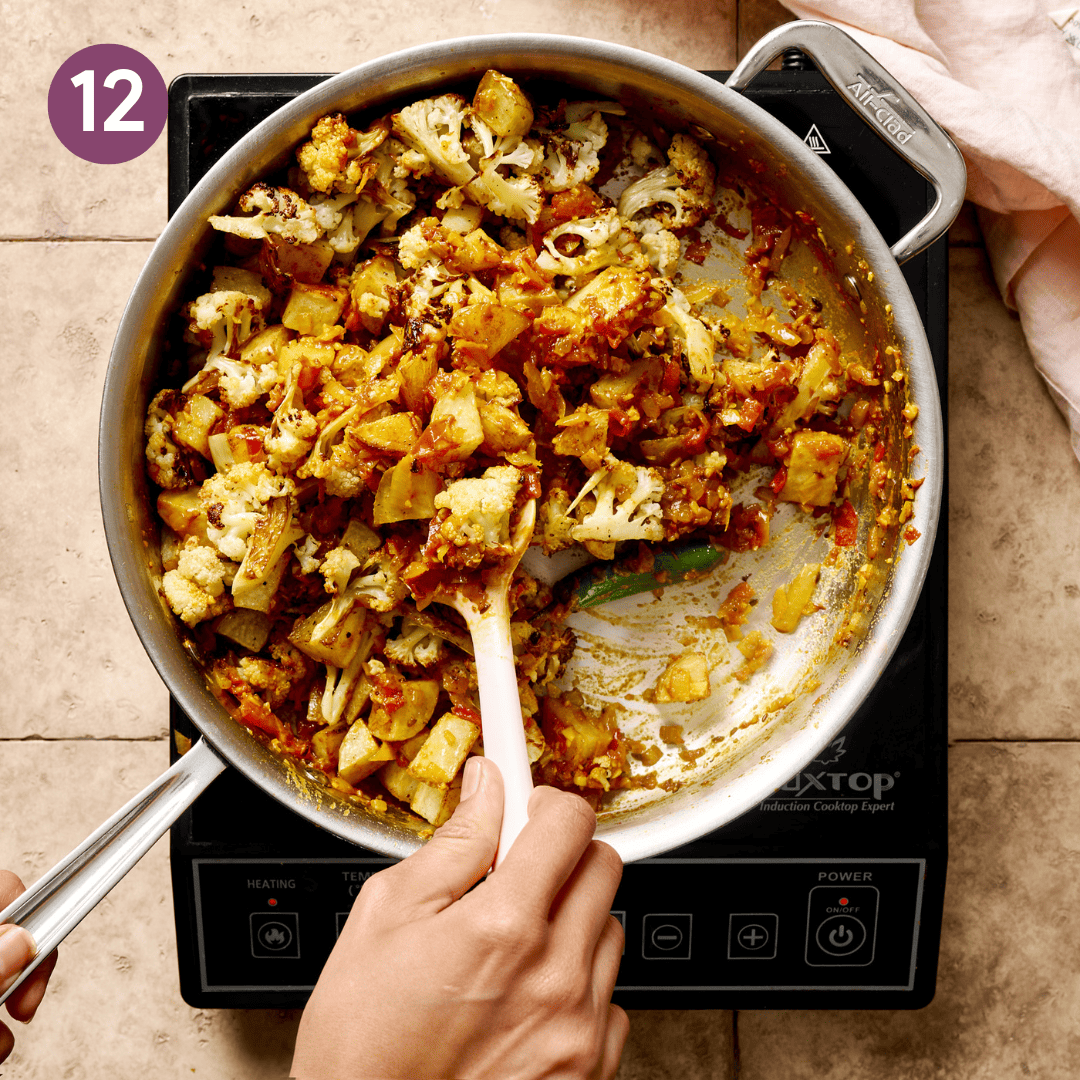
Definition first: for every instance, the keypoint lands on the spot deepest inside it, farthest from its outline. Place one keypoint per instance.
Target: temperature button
(666, 937)
(752, 936)
(841, 925)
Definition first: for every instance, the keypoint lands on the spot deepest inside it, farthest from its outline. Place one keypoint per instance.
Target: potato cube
(488, 327)
(812, 468)
(502, 105)
(455, 428)
(301, 262)
(313, 309)
(194, 421)
(685, 679)
(398, 782)
(181, 511)
(396, 433)
(445, 749)
(264, 347)
(360, 754)
(406, 720)
(435, 804)
(406, 492)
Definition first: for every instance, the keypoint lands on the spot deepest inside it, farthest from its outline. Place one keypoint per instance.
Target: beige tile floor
(82, 714)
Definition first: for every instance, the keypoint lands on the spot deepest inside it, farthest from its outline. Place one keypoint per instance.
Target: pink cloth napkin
(1003, 78)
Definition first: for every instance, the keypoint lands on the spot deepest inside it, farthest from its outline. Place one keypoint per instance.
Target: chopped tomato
(847, 525)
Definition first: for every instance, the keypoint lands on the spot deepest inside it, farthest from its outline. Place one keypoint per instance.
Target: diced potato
(613, 391)
(374, 275)
(302, 262)
(340, 645)
(406, 492)
(263, 347)
(445, 749)
(416, 370)
(584, 735)
(397, 433)
(360, 754)
(400, 783)
(359, 539)
(251, 629)
(307, 350)
(478, 252)
(504, 430)
(435, 804)
(396, 725)
(326, 742)
(685, 679)
(181, 511)
(815, 459)
(463, 219)
(502, 105)
(370, 286)
(313, 309)
(455, 428)
(791, 602)
(757, 649)
(194, 421)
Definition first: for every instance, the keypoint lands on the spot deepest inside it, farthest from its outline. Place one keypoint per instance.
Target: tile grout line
(78, 239)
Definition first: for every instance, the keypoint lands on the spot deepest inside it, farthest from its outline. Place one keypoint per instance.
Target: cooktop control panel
(695, 928)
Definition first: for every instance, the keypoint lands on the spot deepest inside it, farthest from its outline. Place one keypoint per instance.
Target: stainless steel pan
(749, 742)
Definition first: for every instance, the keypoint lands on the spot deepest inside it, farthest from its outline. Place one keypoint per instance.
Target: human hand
(511, 980)
(16, 950)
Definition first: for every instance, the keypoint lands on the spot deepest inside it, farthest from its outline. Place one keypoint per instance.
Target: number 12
(115, 120)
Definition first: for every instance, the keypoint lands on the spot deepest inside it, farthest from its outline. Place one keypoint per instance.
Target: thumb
(16, 951)
(462, 850)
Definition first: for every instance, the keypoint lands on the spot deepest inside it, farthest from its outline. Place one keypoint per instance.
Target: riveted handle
(876, 96)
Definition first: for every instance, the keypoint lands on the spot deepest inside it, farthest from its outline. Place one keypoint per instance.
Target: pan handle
(53, 906)
(884, 104)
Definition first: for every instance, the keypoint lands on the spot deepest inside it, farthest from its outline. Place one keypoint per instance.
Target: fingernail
(16, 948)
(470, 777)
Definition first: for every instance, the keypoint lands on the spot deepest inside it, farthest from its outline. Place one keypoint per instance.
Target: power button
(841, 925)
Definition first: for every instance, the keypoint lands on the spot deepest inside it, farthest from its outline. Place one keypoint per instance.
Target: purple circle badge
(108, 104)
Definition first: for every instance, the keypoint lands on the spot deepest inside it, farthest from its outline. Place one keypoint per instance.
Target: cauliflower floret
(572, 155)
(275, 210)
(332, 159)
(292, 435)
(235, 502)
(600, 246)
(195, 590)
(307, 554)
(416, 647)
(680, 193)
(226, 316)
(480, 508)
(662, 248)
(515, 196)
(627, 505)
(337, 568)
(164, 458)
(432, 127)
(243, 384)
(698, 344)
